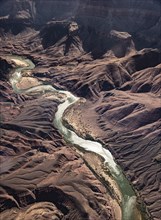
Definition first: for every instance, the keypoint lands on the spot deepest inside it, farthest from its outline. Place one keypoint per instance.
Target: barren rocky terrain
(109, 54)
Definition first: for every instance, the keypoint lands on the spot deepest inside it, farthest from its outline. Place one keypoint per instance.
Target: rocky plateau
(108, 53)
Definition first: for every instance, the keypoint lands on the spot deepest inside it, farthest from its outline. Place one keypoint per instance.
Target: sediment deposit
(106, 52)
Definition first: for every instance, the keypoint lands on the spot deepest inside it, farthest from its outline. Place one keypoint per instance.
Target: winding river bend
(129, 204)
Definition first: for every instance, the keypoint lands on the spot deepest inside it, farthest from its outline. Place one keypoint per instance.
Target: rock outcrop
(107, 52)
(101, 16)
(41, 176)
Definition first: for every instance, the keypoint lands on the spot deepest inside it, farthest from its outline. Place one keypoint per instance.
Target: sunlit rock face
(142, 18)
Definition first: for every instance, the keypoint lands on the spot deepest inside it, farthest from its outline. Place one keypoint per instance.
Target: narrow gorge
(80, 109)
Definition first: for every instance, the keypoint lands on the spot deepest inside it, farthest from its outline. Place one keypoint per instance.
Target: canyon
(107, 53)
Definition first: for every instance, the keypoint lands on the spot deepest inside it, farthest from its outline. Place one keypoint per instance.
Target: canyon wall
(107, 52)
(140, 18)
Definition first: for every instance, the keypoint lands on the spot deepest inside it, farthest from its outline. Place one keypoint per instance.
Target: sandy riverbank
(19, 62)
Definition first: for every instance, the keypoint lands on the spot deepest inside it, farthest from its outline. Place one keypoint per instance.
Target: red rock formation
(96, 50)
(42, 177)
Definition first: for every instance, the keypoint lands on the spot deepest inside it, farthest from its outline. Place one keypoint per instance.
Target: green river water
(129, 198)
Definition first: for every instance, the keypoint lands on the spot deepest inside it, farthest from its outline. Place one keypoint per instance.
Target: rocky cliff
(107, 52)
(140, 18)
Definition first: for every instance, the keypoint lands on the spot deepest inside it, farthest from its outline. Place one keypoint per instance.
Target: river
(129, 198)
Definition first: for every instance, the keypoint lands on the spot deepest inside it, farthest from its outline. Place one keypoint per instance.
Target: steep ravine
(128, 200)
(106, 52)
(41, 176)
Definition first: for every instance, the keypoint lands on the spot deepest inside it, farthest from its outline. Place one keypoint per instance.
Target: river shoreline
(82, 129)
(15, 84)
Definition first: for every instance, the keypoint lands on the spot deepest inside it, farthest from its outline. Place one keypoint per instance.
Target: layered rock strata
(95, 49)
(41, 176)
